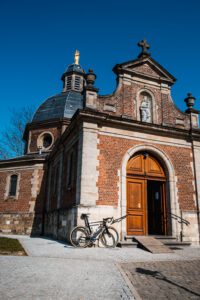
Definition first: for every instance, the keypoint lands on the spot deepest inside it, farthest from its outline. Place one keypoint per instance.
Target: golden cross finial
(76, 57)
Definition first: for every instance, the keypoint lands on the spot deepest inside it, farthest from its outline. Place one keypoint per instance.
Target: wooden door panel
(140, 169)
(153, 168)
(135, 195)
(145, 165)
(135, 224)
(136, 210)
(136, 165)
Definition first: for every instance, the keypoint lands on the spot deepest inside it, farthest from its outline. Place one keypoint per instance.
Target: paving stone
(165, 279)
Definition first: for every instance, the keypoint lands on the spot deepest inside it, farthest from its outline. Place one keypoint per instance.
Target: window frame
(7, 194)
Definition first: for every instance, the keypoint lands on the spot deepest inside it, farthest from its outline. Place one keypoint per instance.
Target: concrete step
(129, 237)
(127, 244)
(169, 241)
(177, 243)
(172, 242)
(164, 237)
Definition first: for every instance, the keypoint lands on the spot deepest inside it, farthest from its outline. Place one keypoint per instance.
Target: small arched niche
(145, 107)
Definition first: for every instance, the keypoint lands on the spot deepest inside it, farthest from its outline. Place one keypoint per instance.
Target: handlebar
(112, 220)
(108, 220)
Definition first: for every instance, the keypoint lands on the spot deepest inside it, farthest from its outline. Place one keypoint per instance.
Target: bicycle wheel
(114, 233)
(107, 239)
(79, 237)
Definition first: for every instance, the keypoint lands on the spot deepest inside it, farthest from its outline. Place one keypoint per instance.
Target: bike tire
(79, 237)
(107, 239)
(114, 233)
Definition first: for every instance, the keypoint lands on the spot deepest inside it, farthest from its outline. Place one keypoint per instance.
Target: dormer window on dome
(73, 78)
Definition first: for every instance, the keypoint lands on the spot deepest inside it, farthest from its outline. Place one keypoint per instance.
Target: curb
(126, 275)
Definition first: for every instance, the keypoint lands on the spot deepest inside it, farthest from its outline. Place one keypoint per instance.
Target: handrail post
(181, 232)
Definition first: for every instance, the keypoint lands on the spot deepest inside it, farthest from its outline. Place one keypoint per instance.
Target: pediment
(146, 67)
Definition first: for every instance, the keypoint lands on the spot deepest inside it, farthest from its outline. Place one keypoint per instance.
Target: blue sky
(39, 37)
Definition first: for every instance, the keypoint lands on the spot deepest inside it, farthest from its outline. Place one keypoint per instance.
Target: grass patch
(10, 246)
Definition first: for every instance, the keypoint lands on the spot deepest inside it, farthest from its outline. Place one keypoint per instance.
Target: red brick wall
(124, 99)
(35, 134)
(112, 151)
(24, 214)
(21, 204)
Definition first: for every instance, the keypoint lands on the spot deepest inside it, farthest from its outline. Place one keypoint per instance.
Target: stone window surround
(40, 140)
(7, 188)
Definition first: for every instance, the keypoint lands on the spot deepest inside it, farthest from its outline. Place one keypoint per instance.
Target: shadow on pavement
(158, 275)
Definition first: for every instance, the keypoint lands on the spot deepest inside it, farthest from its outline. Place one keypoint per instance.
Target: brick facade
(125, 104)
(35, 133)
(22, 213)
(112, 151)
(84, 169)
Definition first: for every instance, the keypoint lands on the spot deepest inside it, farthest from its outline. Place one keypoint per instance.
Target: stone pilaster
(87, 190)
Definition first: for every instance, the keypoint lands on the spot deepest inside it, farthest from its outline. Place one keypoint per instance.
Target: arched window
(13, 185)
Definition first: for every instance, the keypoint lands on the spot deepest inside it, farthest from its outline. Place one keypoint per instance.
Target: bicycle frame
(102, 226)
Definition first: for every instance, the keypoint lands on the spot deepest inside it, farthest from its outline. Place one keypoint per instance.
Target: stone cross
(144, 45)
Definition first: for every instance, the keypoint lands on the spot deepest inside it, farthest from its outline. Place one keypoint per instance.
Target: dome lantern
(73, 77)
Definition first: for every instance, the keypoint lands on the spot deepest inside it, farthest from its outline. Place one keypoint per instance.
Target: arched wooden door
(146, 199)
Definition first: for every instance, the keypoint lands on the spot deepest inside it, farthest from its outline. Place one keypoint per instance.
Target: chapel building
(130, 153)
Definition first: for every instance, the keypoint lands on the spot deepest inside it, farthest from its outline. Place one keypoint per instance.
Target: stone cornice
(25, 160)
(44, 124)
(127, 123)
(102, 119)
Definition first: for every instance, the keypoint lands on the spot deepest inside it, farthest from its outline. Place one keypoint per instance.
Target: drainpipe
(195, 179)
(190, 103)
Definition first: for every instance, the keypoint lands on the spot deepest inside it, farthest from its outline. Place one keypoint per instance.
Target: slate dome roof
(74, 68)
(62, 105)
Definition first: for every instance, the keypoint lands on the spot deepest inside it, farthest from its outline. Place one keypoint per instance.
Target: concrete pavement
(54, 270)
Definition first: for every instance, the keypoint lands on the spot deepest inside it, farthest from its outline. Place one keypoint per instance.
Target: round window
(47, 140)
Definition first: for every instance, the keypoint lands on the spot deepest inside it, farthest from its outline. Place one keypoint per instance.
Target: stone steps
(127, 244)
(168, 241)
(172, 242)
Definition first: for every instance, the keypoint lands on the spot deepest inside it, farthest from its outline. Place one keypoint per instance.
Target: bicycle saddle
(83, 216)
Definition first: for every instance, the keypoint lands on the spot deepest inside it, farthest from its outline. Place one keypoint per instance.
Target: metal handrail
(118, 219)
(179, 219)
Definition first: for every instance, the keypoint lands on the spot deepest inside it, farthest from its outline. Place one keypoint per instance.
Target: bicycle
(83, 236)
